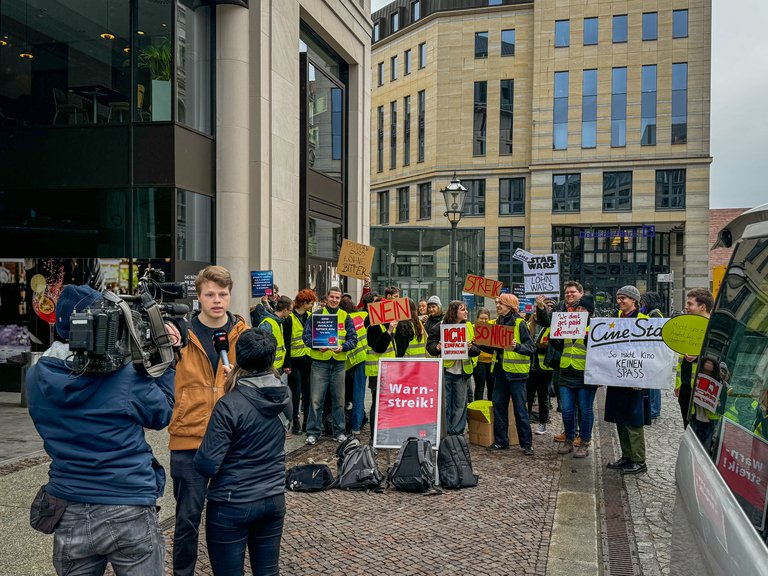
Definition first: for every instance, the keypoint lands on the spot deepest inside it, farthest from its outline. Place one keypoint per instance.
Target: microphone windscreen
(221, 341)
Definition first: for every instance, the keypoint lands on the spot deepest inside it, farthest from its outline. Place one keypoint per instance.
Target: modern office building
(179, 133)
(579, 128)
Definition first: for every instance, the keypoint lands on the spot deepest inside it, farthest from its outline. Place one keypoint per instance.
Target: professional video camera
(107, 333)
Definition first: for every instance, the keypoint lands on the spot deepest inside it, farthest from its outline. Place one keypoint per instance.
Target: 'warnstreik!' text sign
(629, 352)
(542, 275)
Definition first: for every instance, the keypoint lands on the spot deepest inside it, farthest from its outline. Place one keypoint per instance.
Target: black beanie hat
(255, 350)
(587, 301)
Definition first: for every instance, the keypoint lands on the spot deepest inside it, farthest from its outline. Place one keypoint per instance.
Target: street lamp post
(454, 195)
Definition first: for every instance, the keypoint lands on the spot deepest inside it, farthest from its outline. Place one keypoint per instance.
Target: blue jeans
(655, 403)
(584, 397)
(511, 385)
(230, 527)
(326, 374)
(90, 535)
(189, 488)
(455, 386)
(358, 396)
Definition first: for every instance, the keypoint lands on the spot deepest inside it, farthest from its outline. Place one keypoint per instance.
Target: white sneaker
(341, 438)
(542, 429)
(311, 440)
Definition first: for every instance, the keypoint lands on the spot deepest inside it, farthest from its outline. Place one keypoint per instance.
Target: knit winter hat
(630, 292)
(256, 350)
(587, 301)
(435, 300)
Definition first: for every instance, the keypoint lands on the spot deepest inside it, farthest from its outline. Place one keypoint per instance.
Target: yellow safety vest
(327, 354)
(372, 358)
(277, 332)
(467, 365)
(543, 355)
(513, 362)
(358, 355)
(417, 347)
(298, 349)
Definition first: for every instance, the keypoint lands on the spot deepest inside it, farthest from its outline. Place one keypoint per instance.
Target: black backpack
(308, 478)
(454, 463)
(357, 468)
(413, 470)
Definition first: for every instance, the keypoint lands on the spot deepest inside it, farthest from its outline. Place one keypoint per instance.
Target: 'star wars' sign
(542, 275)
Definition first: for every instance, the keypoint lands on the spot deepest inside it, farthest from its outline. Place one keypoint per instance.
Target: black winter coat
(243, 450)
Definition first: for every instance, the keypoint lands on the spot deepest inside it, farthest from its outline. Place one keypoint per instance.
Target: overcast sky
(739, 84)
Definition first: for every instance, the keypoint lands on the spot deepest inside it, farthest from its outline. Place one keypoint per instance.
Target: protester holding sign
(435, 311)
(540, 376)
(298, 359)
(275, 324)
(354, 377)
(512, 368)
(629, 408)
(483, 372)
(456, 373)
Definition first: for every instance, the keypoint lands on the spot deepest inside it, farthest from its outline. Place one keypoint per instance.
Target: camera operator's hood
(59, 385)
(265, 392)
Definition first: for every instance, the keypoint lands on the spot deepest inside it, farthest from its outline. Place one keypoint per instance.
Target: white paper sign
(707, 392)
(568, 325)
(542, 275)
(522, 255)
(453, 342)
(629, 352)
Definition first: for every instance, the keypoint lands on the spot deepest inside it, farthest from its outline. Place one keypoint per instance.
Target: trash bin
(30, 359)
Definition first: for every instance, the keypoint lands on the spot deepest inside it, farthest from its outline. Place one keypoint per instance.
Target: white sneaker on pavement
(311, 440)
(542, 429)
(341, 438)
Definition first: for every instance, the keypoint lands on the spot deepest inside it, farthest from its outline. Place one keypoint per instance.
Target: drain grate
(619, 551)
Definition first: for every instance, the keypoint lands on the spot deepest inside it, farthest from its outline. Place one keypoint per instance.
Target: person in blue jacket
(243, 454)
(92, 426)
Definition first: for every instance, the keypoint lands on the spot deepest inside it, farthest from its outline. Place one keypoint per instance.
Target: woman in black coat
(243, 453)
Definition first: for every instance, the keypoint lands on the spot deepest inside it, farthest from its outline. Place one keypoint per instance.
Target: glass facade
(589, 109)
(480, 118)
(560, 112)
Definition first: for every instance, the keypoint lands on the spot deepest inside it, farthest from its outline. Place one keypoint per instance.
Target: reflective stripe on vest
(277, 332)
(372, 358)
(417, 347)
(298, 349)
(358, 355)
(468, 364)
(512, 361)
(542, 355)
(574, 355)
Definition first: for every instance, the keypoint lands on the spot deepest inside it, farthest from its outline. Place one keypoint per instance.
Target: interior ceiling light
(127, 49)
(26, 53)
(107, 35)
(140, 32)
(3, 42)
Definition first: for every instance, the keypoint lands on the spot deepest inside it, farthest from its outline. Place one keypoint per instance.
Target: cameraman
(199, 385)
(92, 425)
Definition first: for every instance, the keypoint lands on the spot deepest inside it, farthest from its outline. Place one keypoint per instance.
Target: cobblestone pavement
(501, 527)
(652, 496)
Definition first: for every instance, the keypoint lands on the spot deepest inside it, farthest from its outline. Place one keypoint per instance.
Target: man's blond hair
(216, 274)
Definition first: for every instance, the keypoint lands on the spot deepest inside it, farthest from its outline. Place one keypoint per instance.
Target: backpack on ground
(454, 463)
(413, 470)
(308, 478)
(357, 468)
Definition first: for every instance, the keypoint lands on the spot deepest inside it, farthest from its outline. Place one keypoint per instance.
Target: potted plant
(157, 59)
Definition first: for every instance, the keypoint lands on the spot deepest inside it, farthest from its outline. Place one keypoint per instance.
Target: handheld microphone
(221, 344)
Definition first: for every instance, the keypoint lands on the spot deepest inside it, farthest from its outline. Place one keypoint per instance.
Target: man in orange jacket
(199, 384)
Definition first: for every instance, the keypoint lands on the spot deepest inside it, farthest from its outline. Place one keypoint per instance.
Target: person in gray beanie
(435, 311)
(630, 292)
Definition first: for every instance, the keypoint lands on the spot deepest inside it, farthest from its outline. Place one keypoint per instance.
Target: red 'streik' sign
(743, 464)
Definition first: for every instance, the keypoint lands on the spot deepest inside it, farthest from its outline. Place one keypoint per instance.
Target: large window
(323, 238)
(394, 22)
(193, 65)
(403, 204)
(480, 118)
(507, 42)
(589, 109)
(648, 106)
(407, 62)
(511, 196)
(422, 54)
(510, 269)
(415, 10)
(560, 112)
(679, 103)
(193, 226)
(591, 29)
(380, 139)
(422, 121)
(376, 31)
(617, 191)
(425, 200)
(680, 24)
(384, 207)
(406, 131)
(481, 44)
(325, 123)
(393, 68)
(566, 193)
(505, 116)
(562, 33)
(619, 107)
(474, 203)
(380, 73)
(670, 189)
(620, 29)
(650, 25)
(392, 135)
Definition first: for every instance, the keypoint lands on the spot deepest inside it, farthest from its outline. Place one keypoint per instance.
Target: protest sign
(355, 260)
(261, 283)
(494, 335)
(629, 352)
(568, 325)
(408, 401)
(742, 460)
(542, 275)
(707, 392)
(527, 305)
(453, 342)
(482, 286)
(522, 255)
(325, 330)
(685, 334)
(386, 311)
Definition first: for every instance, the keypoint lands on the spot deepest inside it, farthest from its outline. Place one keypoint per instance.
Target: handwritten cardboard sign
(707, 392)
(482, 286)
(453, 342)
(685, 334)
(569, 325)
(386, 311)
(542, 275)
(494, 335)
(355, 260)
